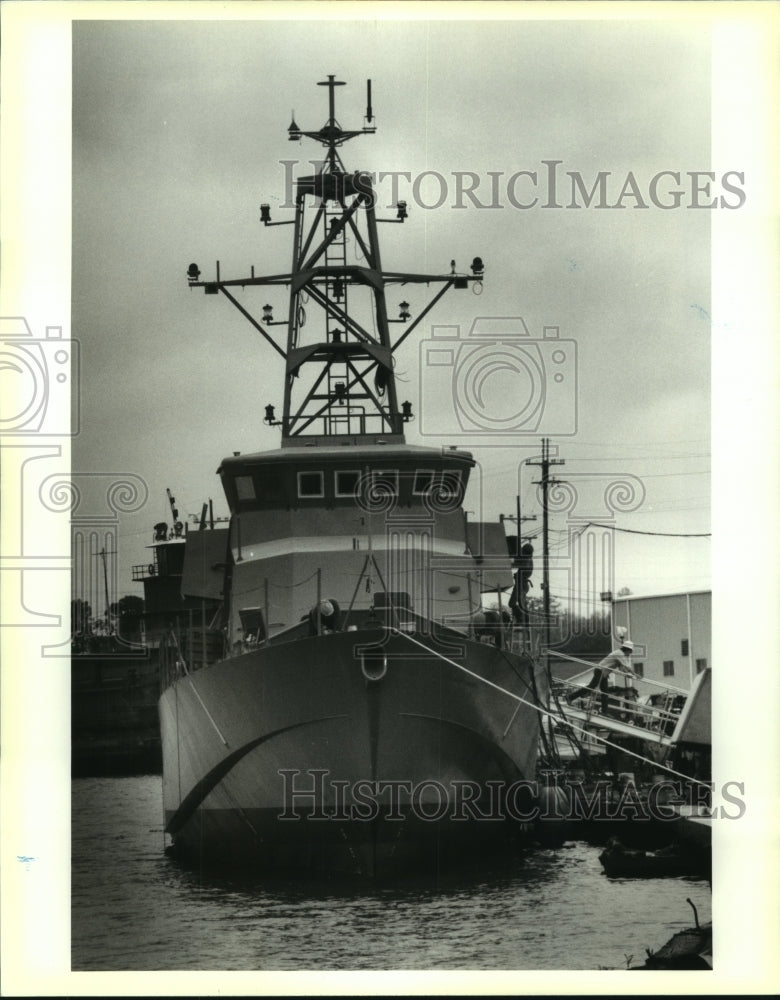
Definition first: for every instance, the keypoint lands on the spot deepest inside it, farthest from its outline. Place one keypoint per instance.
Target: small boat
(690, 949)
(620, 861)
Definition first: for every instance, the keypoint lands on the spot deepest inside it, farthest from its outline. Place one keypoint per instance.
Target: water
(135, 908)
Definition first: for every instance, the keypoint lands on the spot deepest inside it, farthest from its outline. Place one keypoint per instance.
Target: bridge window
(311, 485)
(451, 484)
(639, 669)
(684, 647)
(347, 483)
(385, 481)
(245, 488)
(701, 665)
(272, 488)
(446, 485)
(423, 481)
(668, 668)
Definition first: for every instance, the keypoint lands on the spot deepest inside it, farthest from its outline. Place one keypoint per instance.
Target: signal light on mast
(265, 214)
(193, 273)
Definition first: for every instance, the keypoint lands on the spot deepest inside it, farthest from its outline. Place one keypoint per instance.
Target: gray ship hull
(358, 752)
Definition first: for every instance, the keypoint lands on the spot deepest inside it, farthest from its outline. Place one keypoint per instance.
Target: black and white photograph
(389, 423)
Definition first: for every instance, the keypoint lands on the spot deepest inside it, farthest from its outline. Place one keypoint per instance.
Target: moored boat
(619, 861)
(115, 673)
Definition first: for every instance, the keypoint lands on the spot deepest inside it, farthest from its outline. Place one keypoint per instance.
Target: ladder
(336, 291)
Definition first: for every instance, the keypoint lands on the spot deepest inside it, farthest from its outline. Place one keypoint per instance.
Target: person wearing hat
(618, 660)
(324, 617)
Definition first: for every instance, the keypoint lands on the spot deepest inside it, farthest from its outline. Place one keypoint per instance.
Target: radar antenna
(339, 353)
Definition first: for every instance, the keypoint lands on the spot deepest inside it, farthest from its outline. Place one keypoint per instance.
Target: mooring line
(211, 720)
(538, 708)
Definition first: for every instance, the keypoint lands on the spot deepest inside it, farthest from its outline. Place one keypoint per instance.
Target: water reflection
(135, 907)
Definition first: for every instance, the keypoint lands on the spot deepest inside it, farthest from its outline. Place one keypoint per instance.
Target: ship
(352, 708)
(114, 722)
(115, 668)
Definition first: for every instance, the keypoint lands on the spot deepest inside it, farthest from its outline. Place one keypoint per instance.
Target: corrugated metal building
(672, 634)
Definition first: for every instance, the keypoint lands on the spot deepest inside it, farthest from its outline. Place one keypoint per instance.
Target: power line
(669, 457)
(667, 475)
(641, 444)
(665, 534)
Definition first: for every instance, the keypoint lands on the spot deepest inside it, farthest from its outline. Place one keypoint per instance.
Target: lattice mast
(339, 379)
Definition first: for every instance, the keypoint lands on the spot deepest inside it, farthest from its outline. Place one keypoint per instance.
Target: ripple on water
(134, 908)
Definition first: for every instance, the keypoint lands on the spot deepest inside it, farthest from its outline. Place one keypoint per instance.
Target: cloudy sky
(179, 130)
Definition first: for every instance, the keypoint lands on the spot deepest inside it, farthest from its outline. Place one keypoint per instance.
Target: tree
(80, 625)
(576, 635)
(130, 605)
(127, 613)
(80, 617)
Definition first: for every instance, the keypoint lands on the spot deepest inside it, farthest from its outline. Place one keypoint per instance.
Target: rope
(551, 752)
(209, 715)
(663, 534)
(574, 743)
(278, 586)
(538, 708)
(553, 755)
(593, 665)
(292, 586)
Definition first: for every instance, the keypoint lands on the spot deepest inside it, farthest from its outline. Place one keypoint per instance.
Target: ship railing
(524, 640)
(354, 422)
(661, 685)
(172, 663)
(656, 718)
(202, 646)
(184, 650)
(658, 713)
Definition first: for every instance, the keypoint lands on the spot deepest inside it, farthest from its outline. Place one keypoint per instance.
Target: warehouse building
(672, 634)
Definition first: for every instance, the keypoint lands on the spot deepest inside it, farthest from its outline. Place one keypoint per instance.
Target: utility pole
(518, 518)
(102, 555)
(545, 483)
